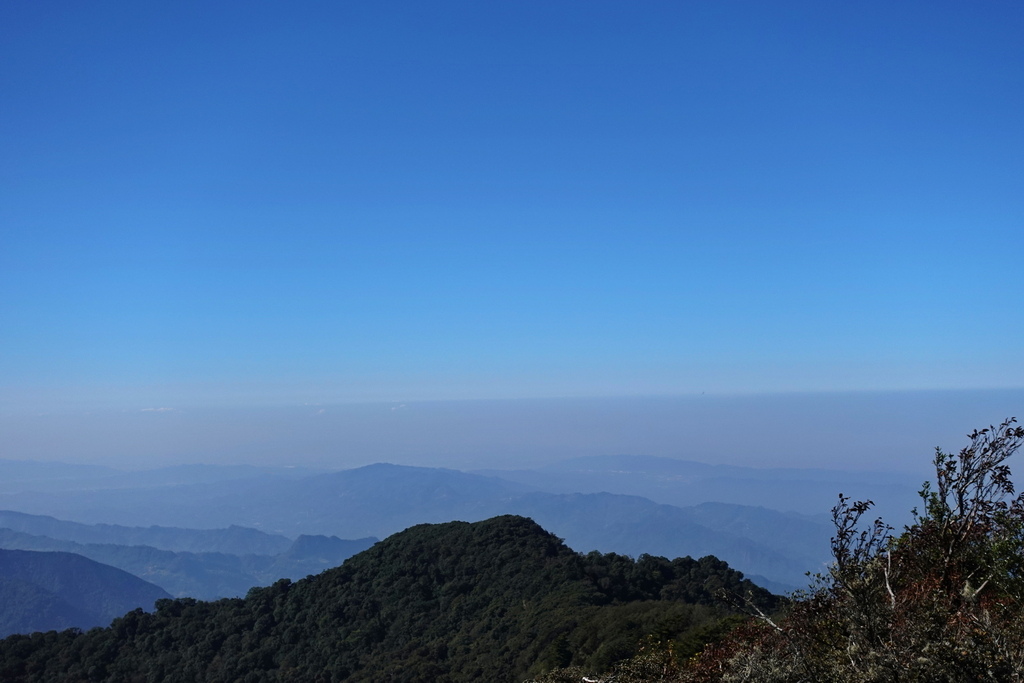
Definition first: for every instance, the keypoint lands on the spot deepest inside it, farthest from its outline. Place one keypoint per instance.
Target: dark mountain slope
(74, 590)
(443, 603)
(27, 608)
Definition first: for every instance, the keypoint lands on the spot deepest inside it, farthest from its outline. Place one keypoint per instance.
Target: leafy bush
(941, 601)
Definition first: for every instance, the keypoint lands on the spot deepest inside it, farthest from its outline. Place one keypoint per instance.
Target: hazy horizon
(885, 431)
(746, 232)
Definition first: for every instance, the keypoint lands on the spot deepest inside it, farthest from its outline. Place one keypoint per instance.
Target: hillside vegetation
(497, 600)
(941, 601)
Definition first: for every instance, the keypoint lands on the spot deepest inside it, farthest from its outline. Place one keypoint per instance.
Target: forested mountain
(495, 600)
(62, 590)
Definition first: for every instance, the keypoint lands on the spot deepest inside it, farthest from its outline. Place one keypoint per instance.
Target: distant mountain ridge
(686, 482)
(378, 500)
(615, 503)
(236, 540)
(205, 575)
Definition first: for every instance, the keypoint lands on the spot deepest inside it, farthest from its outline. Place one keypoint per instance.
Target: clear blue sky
(236, 203)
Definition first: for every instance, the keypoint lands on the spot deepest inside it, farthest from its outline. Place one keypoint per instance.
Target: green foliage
(495, 600)
(942, 601)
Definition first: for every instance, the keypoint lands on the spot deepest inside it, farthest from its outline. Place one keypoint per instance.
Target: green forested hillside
(496, 600)
(940, 602)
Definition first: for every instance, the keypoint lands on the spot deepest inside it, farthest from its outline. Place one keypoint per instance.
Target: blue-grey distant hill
(234, 539)
(206, 575)
(686, 482)
(42, 591)
(379, 500)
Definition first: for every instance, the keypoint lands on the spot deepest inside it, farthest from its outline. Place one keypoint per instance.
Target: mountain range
(199, 563)
(495, 600)
(247, 527)
(593, 503)
(378, 500)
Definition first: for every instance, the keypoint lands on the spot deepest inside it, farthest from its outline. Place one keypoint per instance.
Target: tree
(941, 601)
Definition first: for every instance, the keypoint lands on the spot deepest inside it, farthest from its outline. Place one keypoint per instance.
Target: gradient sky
(249, 203)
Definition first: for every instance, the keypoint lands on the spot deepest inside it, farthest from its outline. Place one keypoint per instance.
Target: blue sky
(250, 203)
